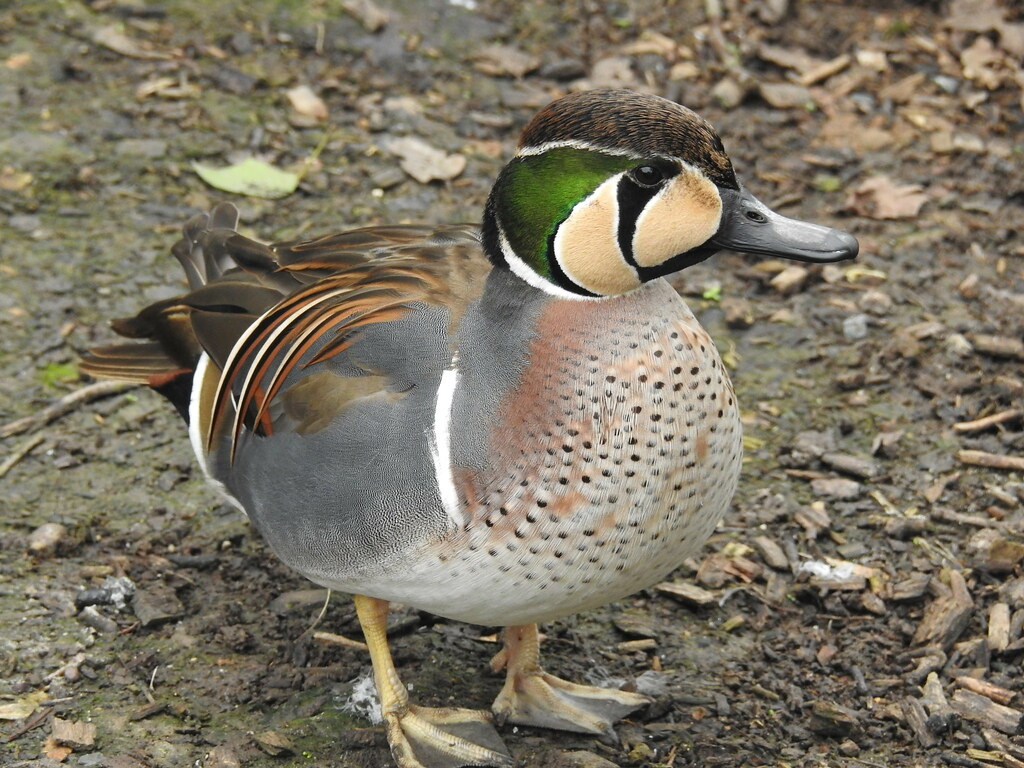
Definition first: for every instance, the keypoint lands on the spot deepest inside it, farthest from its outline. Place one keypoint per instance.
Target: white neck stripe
(529, 276)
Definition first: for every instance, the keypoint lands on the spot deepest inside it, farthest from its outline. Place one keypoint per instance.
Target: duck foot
(425, 737)
(434, 737)
(531, 696)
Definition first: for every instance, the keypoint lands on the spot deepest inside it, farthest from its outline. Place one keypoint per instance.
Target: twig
(20, 453)
(992, 460)
(33, 721)
(330, 637)
(988, 421)
(67, 403)
(319, 617)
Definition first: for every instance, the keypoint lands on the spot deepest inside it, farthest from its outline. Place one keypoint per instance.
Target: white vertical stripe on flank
(441, 446)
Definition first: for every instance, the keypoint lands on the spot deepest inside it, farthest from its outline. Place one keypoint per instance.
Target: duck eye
(647, 176)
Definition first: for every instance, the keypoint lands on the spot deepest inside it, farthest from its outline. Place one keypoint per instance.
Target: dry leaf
(975, 15)
(789, 58)
(13, 180)
(112, 38)
(979, 63)
(306, 103)
(17, 60)
(880, 198)
(55, 751)
(367, 13)
(22, 707)
(614, 72)
(424, 162)
(499, 60)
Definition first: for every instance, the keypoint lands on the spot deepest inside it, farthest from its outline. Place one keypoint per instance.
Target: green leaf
(58, 373)
(712, 293)
(826, 182)
(251, 177)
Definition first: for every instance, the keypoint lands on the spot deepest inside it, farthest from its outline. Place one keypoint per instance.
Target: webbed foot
(531, 696)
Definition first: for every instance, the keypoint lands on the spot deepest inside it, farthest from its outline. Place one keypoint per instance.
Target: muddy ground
(862, 605)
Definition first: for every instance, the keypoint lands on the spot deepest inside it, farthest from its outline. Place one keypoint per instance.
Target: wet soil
(865, 548)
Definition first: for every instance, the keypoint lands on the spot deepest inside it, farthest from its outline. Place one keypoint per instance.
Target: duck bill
(750, 226)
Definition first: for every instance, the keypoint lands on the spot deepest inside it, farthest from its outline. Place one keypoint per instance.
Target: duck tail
(168, 350)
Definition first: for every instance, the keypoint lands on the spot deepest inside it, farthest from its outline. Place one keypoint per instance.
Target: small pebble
(836, 488)
(563, 69)
(728, 93)
(958, 345)
(44, 539)
(790, 280)
(855, 327)
(876, 302)
(24, 222)
(93, 618)
(786, 95)
(849, 748)
(969, 286)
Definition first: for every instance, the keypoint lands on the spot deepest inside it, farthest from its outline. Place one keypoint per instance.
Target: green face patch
(536, 193)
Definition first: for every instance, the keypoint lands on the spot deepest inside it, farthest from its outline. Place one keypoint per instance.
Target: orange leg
(424, 737)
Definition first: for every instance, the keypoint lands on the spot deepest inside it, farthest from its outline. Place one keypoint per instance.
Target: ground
(863, 602)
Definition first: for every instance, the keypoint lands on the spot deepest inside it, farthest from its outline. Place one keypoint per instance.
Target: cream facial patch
(685, 214)
(587, 245)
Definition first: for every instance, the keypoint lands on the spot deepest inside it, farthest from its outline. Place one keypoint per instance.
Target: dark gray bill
(750, 226)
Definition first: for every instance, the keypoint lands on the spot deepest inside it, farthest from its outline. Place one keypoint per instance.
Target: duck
(500, 424)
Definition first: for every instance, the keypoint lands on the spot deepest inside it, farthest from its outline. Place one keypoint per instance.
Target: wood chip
(991, 460)
(851, 465)
(837, 488)
(74, 733)
(826, 70)
(997, 740)
(946, 617)
(830, 719)
(989, 690)
(988, 421)
(941, 716)
(632, 646)
(330, 637)
(998, 346)
(688, 593)
(911, 588)
(771, 553)
(915, 718)
(814, 518)
(981, 709)
(999, 628)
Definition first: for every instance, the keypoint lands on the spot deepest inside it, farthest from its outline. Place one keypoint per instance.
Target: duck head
(613, 188)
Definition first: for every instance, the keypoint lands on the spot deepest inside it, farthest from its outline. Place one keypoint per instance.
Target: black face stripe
(679, 262)
(632, 200)
(562, 279)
